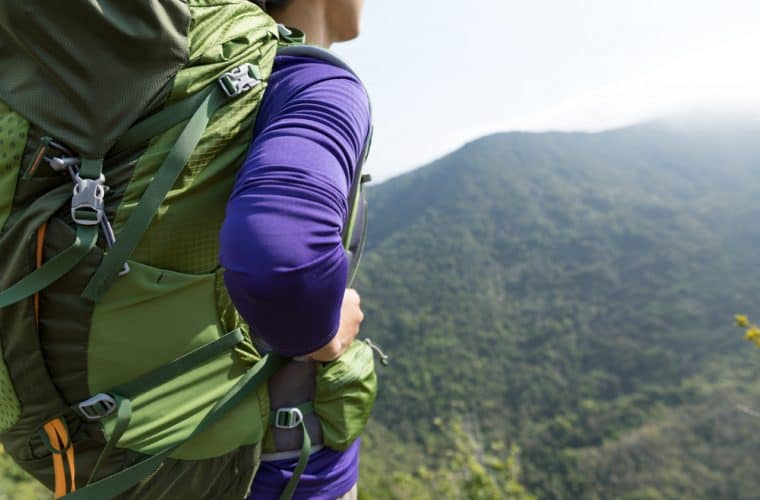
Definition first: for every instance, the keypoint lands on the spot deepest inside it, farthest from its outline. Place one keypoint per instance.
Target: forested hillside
(572, 294)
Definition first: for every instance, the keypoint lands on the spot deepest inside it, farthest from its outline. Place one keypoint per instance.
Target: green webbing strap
(303, 458)
(123, 416)
(181, 365)
(154, 195)
(49, 446)
(144, 383)
(52, 270)
(91, 168)
(160, 122)
(305, 409)
(120, 482)
(164, 373)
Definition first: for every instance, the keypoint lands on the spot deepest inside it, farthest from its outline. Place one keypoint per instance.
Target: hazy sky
(443, 72)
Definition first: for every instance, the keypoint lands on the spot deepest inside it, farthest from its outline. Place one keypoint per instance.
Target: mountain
(573, 294)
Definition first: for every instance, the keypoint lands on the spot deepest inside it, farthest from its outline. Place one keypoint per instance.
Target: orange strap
(37, 159)
(40, 247)
(60, 473)
(55, 429)
(63, 433)
(59, 440)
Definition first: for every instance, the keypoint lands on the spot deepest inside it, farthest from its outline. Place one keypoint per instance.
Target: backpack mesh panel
(13, 130)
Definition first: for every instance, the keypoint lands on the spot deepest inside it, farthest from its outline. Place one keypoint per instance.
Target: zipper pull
(383, 357)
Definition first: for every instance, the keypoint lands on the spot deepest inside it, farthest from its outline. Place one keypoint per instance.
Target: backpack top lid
(85, 71)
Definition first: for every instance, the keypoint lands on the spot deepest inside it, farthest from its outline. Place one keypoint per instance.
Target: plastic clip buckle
(97, 407)
(61, 163)
(240, 79)
(288, 418)
(87, 206)
(65, 162)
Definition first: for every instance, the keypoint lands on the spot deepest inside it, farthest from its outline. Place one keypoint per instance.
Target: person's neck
(309, 17)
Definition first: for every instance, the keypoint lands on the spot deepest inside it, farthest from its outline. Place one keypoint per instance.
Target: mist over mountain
(573, 293)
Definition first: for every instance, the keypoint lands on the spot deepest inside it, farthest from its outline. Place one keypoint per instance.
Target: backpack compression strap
(87, 202)
(291, 418)
(119, 399)
(230, 85)
(87, 212)
(120, 482)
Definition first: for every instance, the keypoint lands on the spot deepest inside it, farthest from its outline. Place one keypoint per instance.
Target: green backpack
(126, 370)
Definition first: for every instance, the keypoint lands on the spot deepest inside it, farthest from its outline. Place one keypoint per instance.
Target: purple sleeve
(285, 267)
(328, 475)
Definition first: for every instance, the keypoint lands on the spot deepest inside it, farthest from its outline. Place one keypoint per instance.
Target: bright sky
(444, 72)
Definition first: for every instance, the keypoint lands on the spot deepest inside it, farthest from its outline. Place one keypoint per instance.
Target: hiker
(131, 164)
(281, 241)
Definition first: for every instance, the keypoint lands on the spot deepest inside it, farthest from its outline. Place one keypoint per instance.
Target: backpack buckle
(87, 206)
(288, 418)
(240, 79)
(61, 163)
(97, 407)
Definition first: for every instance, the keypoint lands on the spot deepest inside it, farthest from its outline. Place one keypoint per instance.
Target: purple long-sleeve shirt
(281, 239)
(281, 246)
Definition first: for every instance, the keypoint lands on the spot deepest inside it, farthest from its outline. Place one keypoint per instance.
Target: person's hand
(351, 317)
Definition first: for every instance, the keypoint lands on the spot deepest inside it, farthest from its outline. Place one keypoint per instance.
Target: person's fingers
(350, 322)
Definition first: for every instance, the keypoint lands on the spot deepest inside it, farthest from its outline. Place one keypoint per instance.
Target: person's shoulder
(314, 64)
(294, 73)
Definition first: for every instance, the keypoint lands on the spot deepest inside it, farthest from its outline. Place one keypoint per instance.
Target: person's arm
(281, 243)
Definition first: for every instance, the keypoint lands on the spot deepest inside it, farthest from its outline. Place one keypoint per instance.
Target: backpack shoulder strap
(315, 53)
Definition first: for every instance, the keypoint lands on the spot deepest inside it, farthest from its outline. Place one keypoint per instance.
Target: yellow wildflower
(741, 320)
(753, 334)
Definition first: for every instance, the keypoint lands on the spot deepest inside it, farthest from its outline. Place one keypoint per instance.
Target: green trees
(17, 484)
(570, 290)
(468, 469)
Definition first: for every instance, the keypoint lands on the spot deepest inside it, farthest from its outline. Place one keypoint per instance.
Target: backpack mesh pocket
(10, 409)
